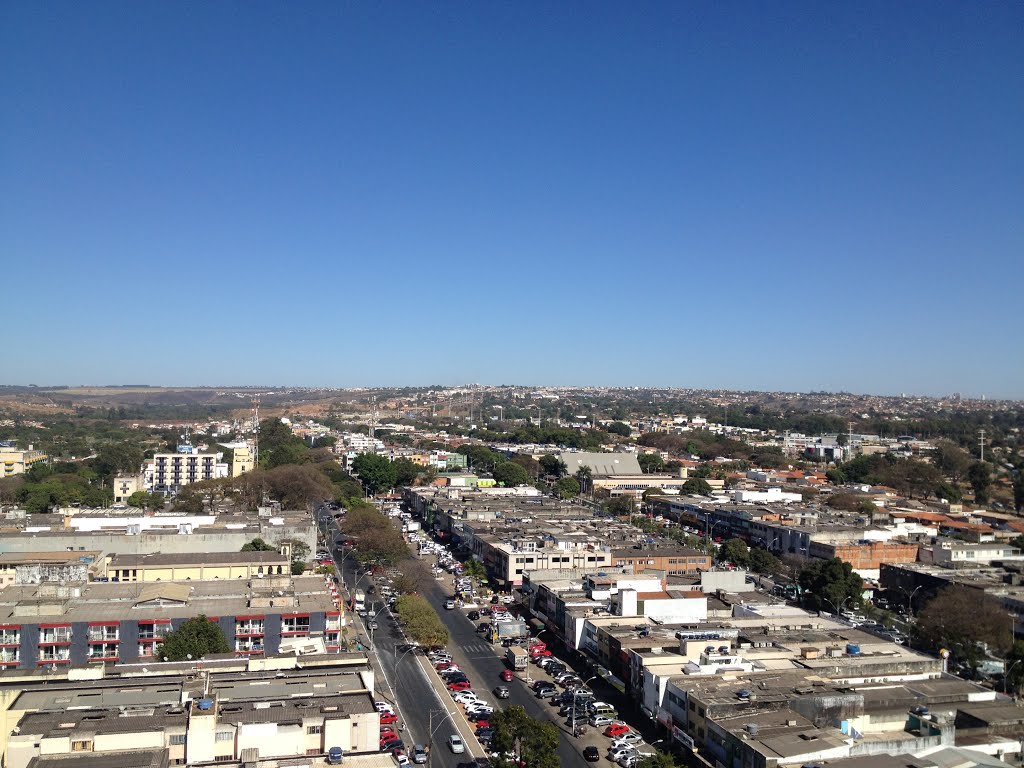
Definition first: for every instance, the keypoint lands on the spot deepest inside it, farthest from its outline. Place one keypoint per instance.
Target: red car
(443, 665)
(460, 686)
(387, 733)
(481, 724)
(536, 654)
(387, 718)
(616, 729)
(507, 676)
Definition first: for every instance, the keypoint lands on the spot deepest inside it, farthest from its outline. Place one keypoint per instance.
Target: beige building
(242, 460)
(171, 471)
(197, 567)
(14, 461)
(125, 486)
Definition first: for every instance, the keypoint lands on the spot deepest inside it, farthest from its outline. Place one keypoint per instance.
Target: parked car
(461, 685)
(388, 718)
(627, 739)
(473, 615)
(617, 753)
(616, 729)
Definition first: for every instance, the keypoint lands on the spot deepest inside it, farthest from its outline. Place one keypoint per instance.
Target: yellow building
(197, 567)
(241, 461)
(14, 461)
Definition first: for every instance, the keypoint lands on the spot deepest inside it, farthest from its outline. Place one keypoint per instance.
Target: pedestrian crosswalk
(477, 647)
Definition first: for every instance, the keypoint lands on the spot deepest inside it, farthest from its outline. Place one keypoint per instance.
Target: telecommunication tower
(255, 430)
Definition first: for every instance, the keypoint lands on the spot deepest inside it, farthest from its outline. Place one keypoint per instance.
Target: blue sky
(786, 196)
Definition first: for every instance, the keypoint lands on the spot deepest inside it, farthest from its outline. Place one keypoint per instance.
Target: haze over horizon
(788, 198)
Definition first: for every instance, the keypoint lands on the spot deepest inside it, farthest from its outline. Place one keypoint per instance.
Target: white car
(455, 744)
(627, 740)
(465, 697)
(617, 753)
(383, 706)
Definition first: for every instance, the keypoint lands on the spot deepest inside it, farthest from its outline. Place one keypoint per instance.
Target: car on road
(449, 605)
(502, 692)
(473, 615)
(591, 754)
(419, 754)
(455, 744)
(372, 624)
(616, 729)
(507, 676)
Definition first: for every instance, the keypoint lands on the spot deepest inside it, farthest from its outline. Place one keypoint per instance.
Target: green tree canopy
(511, 474)
(258, 545)
(420, 620)
(197, 637)
(618, 428)
(619, 506)
(535, 740)
(832, 584)
(696, 486)
(980, 477)
(376, 473)
(406, 471)
(553, 466)
(651, 463)
(567, 488)
(734, 551)
(763, 561)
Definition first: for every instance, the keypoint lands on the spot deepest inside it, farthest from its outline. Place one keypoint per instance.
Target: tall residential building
(14, 461)
(172, 471)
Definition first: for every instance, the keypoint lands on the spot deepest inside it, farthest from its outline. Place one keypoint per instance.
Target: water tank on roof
(205, 704)
(751, 728)
(743, 693)
(709, 649)
(852, 649)
(723, 649)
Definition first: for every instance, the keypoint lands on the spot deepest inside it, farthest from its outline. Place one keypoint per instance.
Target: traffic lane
(484, 671)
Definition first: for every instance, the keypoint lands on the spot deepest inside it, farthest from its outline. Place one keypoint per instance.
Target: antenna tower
(373, 416)
(849, 437)
(981, 442)
(255, 431)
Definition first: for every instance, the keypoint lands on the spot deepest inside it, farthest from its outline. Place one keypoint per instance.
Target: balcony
(57, 655)
(7, 637)
(55, 635)
(103, 634)
(249, 628)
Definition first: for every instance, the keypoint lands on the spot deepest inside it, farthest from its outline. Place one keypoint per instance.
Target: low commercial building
(674, 561)
(198, 567)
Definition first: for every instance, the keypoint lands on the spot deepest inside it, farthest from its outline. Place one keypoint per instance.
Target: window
(177, 739)
(225, 735)
(81, 746)
(314, 729)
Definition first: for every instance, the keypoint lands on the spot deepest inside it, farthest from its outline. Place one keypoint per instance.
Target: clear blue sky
(749, 195)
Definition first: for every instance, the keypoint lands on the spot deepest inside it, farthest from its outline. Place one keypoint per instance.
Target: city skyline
(788, 199)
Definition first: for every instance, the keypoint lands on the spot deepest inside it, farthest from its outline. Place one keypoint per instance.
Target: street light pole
(574, 695)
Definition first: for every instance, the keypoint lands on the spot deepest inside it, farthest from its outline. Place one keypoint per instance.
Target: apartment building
(172, 471)
(107, 622)
(675, 561)
(15, 461)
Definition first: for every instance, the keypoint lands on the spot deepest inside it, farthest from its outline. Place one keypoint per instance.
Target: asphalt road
(420, 705)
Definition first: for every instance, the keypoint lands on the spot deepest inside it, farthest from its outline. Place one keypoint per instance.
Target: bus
(359, 601)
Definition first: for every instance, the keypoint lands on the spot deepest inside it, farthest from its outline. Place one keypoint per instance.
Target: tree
(553, 466)
(618, 428)
(376, 473)
(258, 545)
(515, 732)
(650, 463)
(961, 619)
(619, 506)
(696, 487)
(951, 460)
(567, 488)
(658, 760)
(511, 474)
(420, 620)
(980, 477)
(474, 569)
(196, 638)
(1018, 491)
(832, 584)
(406, 471)
(763, 561)
(734, 551)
